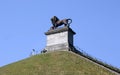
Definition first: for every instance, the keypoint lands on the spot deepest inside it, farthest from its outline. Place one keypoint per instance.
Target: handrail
(86, 55)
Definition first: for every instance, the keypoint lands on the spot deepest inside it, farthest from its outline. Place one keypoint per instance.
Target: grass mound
(54, 63)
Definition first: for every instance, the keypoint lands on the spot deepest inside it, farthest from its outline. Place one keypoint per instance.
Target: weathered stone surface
(59, 39)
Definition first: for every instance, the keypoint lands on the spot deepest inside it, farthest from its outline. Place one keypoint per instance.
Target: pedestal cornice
(58, 30)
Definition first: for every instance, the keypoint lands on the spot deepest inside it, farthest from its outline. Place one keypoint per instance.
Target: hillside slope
(54, 63)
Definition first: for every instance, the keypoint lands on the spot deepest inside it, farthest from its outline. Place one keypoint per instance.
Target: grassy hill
(54, 63)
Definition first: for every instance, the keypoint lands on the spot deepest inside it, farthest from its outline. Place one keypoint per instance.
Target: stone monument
(59, 38)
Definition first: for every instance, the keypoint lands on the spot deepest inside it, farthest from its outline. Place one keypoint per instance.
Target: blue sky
(23, 23)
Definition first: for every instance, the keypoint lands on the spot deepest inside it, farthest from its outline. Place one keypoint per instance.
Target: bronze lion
(56, 22)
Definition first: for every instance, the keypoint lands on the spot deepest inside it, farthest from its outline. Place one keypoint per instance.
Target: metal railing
(88, 56)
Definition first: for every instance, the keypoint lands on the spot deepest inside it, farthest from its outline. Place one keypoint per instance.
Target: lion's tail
(69, 22)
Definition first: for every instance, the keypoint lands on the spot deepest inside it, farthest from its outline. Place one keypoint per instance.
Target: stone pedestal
(59, 39)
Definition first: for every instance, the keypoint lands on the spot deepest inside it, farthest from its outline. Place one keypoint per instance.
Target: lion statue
(56, 22)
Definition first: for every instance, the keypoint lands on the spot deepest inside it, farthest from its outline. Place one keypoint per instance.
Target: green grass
(54, 63)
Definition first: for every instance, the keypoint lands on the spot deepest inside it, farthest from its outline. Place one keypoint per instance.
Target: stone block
(59, 39)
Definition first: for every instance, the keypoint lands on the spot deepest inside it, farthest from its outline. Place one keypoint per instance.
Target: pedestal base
(59, 39)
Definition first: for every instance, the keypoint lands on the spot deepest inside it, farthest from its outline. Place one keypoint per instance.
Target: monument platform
(59, 39)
